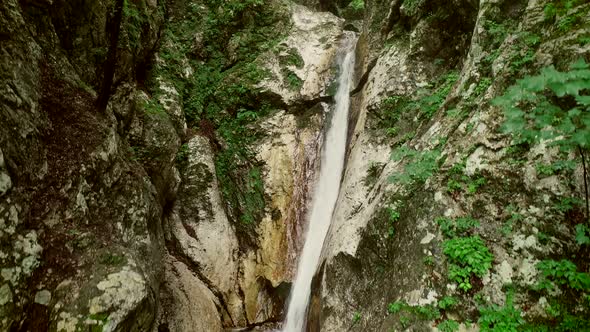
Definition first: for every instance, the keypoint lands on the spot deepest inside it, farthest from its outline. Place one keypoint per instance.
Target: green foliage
(134, 17)
(447, 302)
(482, 86)
(448, 325)
(497, 32)
(152, 106)
(537, 107)
(563, 273)
(182, 154)
(356, 317)
(557, 12)
(293, 81)
(220, 97)
(428, 261)
(452, 228)
(291, 57)
(412, 6)
(404, 321)
(426, 312)
(428, 102)
(100, 318)
(509, 223)
(421, 165)
(357, 5)
(583, 234)
(502, 319)
(523, 52)
(396, 307)
(394, 216)
(468, 257)
(558, 167)
(392, 108)
(113, 259)
(458, 181)
(567, 204)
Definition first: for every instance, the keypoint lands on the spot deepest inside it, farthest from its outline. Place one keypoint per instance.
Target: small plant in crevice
(182, 154)
(428, 261)
(452, 228)
(557, 167)
(293, 81)
(458, 181)
(394, 216)
(356, 317)
(448, 302)
(448, 325)
(468, 257)
(357, 5)
(557, 12)
(421, 165)
(510, 223)
(420, 312)
(496, 318)
(428, 101)
(113, 259)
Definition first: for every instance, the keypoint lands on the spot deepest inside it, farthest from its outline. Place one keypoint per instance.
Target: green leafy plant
(396, 307)
(356, 317)
(412, 6)
(448, 325)
(452, 228)
(563, 273)
(394, 216)
(113, 259)
(428, 261)
(447, 302)
(560, 166)
(496, 318)
(357, 4)
(293, 81)
(468, 257)
(404, 321)
(552, 106)
(582, 234)
(182, 154)
(421, 165)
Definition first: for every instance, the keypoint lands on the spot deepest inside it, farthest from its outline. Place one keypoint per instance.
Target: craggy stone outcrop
(370, 259)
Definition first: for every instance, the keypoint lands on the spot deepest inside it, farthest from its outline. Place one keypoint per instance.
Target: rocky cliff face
(117, 221)
(182, 206)
(387, 264)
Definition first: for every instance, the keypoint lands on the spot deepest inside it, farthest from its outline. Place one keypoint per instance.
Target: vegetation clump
(468, 257)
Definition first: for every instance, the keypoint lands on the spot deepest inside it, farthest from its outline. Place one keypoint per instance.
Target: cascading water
(326, 191)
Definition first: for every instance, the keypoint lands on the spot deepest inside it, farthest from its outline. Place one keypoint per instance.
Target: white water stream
(326, 191)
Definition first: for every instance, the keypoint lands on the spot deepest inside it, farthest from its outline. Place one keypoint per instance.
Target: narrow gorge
(307, 165)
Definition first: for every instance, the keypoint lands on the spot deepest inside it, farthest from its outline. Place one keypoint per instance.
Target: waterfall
(326, 191)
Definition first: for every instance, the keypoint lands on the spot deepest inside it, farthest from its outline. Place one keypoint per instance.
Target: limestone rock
(313, 40)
